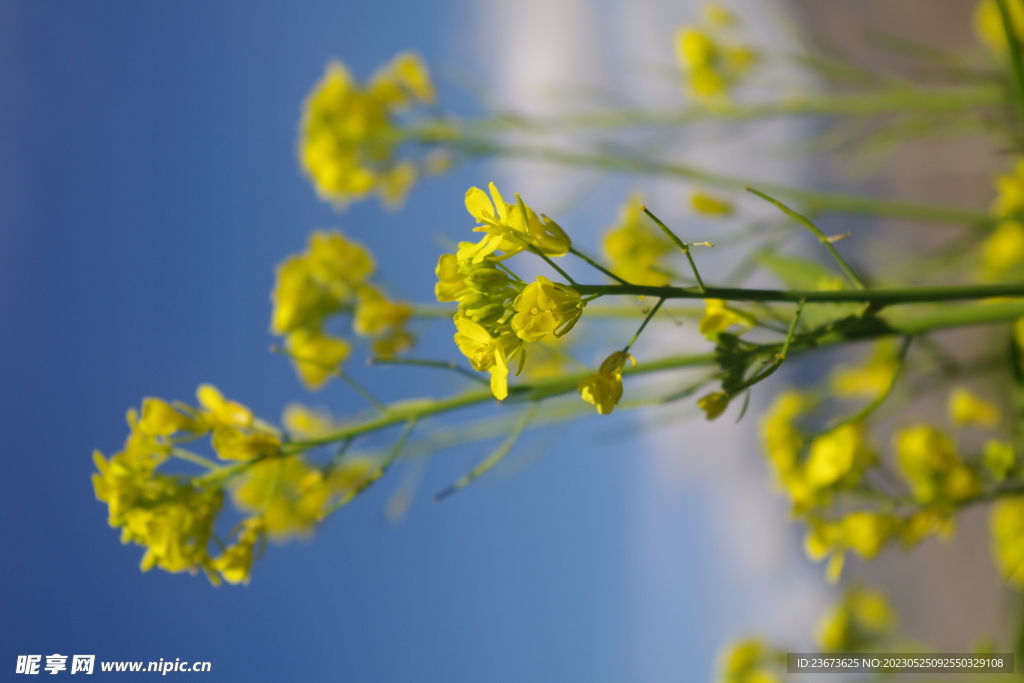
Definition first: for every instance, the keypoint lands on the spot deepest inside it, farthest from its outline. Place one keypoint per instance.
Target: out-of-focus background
(148, 187)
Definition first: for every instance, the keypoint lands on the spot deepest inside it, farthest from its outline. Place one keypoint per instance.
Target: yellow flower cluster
(857, 622)
(328, 279)
(498, 313)
(869, 379)
(349, 133)
(865, 532)
(748, 661)
(834, 461)
(173, 516)
(635, 248)
(711, 59)
(292, 496)
(929, 461)
(1006, 526)
(1003, 250)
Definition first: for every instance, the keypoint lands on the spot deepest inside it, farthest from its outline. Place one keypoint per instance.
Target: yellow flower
(604, 389)
(291, 495)
(711, 65)
(988, 22)
(232, 443)
(302, 422)
(869, 379)
(376, 314)
(349, 137)
(404, 78)
(718, 318)
(717, 15)
(966, 409)
(837, 454)
(488, 352)
(927, 522)
(1007, 530)
(313, 285)
(861, 617)
(746, 661)
(235, 563)
(707, 84)
(779, 436)
(451, 285)
(695, 49)
(160, 418)
(1010, 188)
(221, 411)
(1004, 248)
(510, 228)
(929, 460)
(999, 458)
(545, 307)
(714, 404)
(865, 532)
(338, 263)
(707, 205)
(317, 356)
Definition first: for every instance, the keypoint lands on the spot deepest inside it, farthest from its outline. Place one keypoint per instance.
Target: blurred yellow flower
(967, 410)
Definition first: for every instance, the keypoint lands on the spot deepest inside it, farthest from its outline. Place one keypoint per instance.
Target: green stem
(362, 391)
(595, 264)
(554, 265)
(195, 458)
(563, 384)
(386, 463)
(494, 458)
(878, 297)
(818, 201)
(643, 325)
(896, 100)
(679, 243)
(804, 221)
(1013, 47)
(792, 330)
(878, 400)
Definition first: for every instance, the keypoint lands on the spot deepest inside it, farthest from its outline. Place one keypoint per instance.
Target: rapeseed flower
(858, 620)
(1003, 249)
(604, 389)
(988, 22)
(706, 205)
(1006, 526)
(869, 379)
(350, 134)
(929, 461)
(546, 307)
(712, 63)
(718, 317)
(966, 410)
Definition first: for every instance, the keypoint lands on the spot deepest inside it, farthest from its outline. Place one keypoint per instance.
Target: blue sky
(148, 186)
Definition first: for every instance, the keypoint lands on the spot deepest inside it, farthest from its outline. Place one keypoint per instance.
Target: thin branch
(494, 458)
(822, 237)
(679, 243)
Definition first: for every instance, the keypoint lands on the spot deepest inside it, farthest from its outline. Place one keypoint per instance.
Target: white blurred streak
(716, 555)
